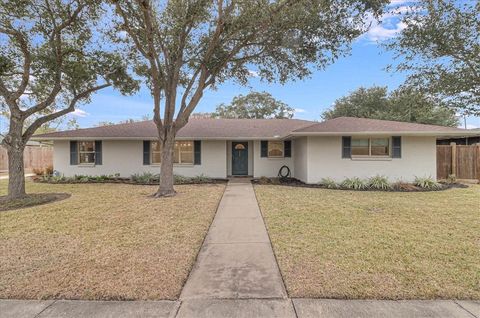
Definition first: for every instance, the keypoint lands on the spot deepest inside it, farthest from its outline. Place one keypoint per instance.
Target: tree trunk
(16, 173)
(166, 168)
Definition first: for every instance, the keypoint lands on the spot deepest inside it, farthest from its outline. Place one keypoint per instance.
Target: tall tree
(254, 105)
(48, 64)
(184, 47)
(404, 104)
(440, 50)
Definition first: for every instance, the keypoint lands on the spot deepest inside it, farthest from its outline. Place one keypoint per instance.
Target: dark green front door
(240, 158)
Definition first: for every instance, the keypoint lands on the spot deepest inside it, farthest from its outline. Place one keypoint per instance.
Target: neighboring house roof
(352, 125)
(203, 128)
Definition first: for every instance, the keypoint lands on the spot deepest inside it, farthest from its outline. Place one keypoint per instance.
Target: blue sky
(365, 66)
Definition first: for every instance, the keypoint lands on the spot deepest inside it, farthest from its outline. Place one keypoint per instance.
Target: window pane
(87, 157)
(155, 145)
(360, 147)
(185, 145)
(380, 146)
(86, 146)
(187, 157)
(156, 157)
(176, 155)
(275, 148)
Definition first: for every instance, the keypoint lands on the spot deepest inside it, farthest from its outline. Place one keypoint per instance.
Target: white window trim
(86, 164)
(370, 156)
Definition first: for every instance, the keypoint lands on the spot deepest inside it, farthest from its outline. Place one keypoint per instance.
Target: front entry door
(240, 158)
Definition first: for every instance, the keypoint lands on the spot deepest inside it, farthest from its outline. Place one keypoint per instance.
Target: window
(86, 152)
(156, 152)
(239, 147)
(374, 147)
(360, 147)
(182, 153)
(275, 149)
(380, 147)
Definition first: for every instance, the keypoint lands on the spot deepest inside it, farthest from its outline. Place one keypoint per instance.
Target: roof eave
(39, 138)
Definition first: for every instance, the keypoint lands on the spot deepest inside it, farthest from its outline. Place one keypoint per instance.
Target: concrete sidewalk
(240, 308)
(236, 260)
(236, 275)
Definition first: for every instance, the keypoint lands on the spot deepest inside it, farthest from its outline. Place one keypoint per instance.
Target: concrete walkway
(236, 275)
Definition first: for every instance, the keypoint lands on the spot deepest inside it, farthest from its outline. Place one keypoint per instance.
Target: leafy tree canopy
(440, 50)
(50, 60)
(182, 48)
(403, 104)
(254, 105)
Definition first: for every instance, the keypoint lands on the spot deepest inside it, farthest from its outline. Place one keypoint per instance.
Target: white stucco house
(220, 148)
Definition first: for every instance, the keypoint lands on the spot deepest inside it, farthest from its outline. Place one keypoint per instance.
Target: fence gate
(459, 160)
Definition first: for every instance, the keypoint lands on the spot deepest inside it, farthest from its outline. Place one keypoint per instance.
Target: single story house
(220, 148)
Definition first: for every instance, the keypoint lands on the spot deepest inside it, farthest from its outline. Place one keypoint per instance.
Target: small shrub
(379, 183)
(179, 179)
(146, 177)
(201, 179)
(451, 179)
(354, 184)
(49, 170)
(328, 183)
(426, 183)
(38, 171)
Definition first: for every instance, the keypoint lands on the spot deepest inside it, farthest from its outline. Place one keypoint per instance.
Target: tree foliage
(440, 50)
(49, 62)
(403, 104)
(183, 47)
(254, 105)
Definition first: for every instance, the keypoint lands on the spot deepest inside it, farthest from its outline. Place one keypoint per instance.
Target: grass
(108, 241)
(30, 200)
(346, 244)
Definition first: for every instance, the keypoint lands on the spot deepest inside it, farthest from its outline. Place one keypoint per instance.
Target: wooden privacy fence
(461, 161)
(35, 157)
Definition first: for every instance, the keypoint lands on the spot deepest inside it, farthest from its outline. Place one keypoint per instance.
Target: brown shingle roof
(361, 125)
(206, 128)
(196, 128)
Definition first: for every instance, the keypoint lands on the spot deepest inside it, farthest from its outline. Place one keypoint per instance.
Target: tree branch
(71, 107)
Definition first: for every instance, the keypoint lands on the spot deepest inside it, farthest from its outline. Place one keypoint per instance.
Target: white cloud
(122, 34)
(382, 32)
(390, 23)
(470, 126)
(253, 73)
(79, 113)
(394, 3)
(299, 110)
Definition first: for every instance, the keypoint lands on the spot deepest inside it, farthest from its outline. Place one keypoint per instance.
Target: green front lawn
(345, 244)
(107, 241)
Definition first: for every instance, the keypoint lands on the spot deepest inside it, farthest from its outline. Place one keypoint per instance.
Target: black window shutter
(197, 148)
(287, 145)
(346, 147)
(146, 152)
(396, 147)
(73, 153)
(263, 148)
(98, 152)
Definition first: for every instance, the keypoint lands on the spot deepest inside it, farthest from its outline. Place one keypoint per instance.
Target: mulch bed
(405, 187)
(125, 181)
(30, 200)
